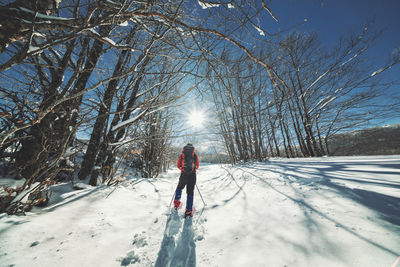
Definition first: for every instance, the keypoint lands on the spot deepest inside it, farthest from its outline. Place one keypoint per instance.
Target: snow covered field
(341, 211)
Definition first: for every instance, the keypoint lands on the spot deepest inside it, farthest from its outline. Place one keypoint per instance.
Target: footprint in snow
(139, 241)
(130, 258)
(34, 244)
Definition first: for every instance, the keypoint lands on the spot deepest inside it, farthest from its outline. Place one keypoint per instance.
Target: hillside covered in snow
(339, 211)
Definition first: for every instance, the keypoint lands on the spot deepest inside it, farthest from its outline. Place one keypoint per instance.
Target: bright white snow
(377, 72)
(205, 5)
(131, 120)
(341, 211)
(261, 32)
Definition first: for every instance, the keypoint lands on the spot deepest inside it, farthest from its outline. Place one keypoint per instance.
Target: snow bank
(340, 211)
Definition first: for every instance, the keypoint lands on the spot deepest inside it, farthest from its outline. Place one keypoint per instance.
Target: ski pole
(173, 196)
(200, 195)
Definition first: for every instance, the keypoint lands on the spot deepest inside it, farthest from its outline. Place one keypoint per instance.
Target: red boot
(188, 213)
(177, 203)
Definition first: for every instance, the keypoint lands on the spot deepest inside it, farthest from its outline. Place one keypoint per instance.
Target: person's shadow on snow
(179, 253)
(185, 252)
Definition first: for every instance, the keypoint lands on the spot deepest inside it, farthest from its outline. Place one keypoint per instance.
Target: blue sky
(331, 18)
(334, 18)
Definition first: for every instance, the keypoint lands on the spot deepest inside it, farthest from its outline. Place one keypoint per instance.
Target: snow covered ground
(341, 211)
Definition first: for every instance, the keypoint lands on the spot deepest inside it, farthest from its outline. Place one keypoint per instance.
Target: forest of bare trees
(318, 93)
(113, 72)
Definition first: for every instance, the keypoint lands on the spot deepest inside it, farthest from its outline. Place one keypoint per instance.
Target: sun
(196, 119)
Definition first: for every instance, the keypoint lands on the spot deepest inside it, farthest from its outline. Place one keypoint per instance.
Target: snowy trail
(341, 211)
(173, 251)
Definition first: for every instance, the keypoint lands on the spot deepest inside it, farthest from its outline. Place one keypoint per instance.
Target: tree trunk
(102, 118)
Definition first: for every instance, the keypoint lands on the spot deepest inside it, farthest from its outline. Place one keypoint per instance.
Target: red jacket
(181, 161)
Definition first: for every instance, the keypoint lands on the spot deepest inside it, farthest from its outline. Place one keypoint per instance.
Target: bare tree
(329, 90)
(62, 48)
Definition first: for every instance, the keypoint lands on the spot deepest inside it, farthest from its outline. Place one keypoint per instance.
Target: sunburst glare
(196, 119)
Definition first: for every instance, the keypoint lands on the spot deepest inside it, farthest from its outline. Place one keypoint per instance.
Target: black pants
(188, 180)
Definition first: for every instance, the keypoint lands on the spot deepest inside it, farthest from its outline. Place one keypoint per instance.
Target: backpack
(188, 159)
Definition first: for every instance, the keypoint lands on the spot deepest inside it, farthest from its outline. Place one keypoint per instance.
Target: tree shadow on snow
(386, 206)
(230, 178)
(177, 251)
(332, 169)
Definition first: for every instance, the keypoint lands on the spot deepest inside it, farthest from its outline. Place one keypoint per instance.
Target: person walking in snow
(188, 163)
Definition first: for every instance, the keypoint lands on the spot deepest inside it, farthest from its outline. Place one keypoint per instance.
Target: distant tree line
(371, 141)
